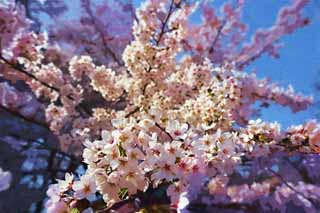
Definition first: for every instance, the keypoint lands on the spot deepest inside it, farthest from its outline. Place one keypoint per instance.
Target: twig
(290, 187)
(217, 36)
(30, 75)
(101, 34)
(162, 129)
(132, 112)
(29, 120)
(19, 68)
(240, 64)
(165, 22)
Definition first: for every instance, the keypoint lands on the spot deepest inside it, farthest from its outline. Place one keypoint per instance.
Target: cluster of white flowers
(180, 118)
(182, 114)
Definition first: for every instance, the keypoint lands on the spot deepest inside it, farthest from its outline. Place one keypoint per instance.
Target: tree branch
(164, 23)
(29, 120)
(217, 36)
(106, 48)
(19, 68)
(290, 187)
(163, 130)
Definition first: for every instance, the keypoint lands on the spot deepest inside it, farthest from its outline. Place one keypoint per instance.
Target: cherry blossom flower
(175, 190)
(151, 99)
(65, 184)
(84, 188)
(176, 130)
(167, 169)
(58, 207)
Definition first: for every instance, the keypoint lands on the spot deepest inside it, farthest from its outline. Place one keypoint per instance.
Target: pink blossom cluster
(161, 103)
(289, 19)
(83, 188)
(309, 132)
(222, 32)
(255, 89)
(22, 102)
(94, 32)
(269, 195)
(13, 22)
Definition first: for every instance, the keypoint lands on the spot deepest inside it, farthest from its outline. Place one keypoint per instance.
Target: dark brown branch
(290, 187)
(164, 23)
(29, 120)
(163, 130)
(132, 112)
(19, 68)
(30, 75)
(133, 13)
(240, 65)
(303, 173)
(117, 205)
(140, 200)
(217, 36)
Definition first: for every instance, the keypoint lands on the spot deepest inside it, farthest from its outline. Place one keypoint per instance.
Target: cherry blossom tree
(144, 110)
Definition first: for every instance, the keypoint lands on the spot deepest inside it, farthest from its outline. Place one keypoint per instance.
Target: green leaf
(74, 210)
(122, 151)
(123, 193)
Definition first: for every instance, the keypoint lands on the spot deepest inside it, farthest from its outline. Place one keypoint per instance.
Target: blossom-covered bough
(171, 118)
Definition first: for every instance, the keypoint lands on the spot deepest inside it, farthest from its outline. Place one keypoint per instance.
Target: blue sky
(299, 62)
